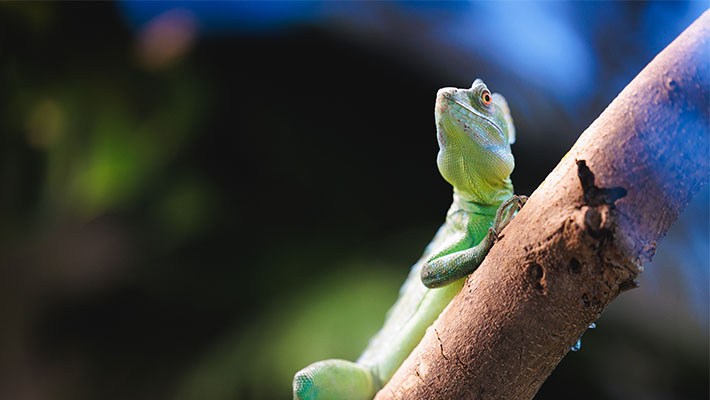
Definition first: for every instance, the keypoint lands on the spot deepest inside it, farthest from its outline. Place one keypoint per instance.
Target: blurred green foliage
(316, 323)
(102, 143)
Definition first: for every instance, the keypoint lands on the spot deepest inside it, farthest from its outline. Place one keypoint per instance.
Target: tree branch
(579, 241)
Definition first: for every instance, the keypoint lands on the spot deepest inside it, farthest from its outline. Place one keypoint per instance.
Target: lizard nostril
(445, 93)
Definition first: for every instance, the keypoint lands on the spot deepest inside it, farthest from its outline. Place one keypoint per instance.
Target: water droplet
(578, 345)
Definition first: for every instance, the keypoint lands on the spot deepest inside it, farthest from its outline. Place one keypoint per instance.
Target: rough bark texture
(578, 242)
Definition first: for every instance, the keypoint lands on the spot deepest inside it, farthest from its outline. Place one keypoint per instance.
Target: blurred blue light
(226, 16)
(663, 21)
(530, 40)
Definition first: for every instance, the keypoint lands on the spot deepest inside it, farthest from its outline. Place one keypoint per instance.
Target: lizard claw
(506, 212)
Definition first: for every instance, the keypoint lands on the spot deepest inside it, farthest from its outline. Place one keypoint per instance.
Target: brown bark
(578, 242)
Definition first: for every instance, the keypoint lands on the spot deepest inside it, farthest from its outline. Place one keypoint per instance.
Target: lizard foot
(334, 380)
(506, 212)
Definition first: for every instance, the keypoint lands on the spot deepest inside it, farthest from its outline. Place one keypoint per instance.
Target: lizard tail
(334, 380)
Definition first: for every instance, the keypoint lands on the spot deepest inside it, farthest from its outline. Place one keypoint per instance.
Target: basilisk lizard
(474, 131)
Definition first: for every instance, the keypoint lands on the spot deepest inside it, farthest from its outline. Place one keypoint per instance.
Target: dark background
(199, 199)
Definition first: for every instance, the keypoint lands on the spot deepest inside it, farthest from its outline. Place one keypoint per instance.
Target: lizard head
(474, 131)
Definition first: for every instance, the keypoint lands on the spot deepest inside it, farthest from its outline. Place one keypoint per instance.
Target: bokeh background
(200, 198)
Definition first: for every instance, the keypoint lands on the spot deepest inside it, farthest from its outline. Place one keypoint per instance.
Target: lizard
(474, 133)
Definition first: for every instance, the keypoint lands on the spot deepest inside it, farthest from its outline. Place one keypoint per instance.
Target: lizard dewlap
(474, 131)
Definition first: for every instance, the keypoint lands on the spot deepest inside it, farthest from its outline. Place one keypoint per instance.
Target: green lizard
(474, 132)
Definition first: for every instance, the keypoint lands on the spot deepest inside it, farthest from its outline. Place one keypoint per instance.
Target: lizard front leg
(446, 266)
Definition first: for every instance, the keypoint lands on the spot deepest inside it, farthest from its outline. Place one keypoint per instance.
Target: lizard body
(474, 133)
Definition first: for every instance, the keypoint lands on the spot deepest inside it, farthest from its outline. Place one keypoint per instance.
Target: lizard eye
(486, 97)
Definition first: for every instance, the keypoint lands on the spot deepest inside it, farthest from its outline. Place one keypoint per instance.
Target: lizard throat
(464, 202)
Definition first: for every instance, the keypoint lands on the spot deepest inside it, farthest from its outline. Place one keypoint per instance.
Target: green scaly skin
(474, 131)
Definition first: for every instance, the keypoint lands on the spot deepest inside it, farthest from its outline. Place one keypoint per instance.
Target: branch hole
(671, 84)
(536, 273)
(586, 300)
(575, 266)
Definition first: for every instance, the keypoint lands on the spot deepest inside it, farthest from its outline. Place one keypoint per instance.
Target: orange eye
(486, 97)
